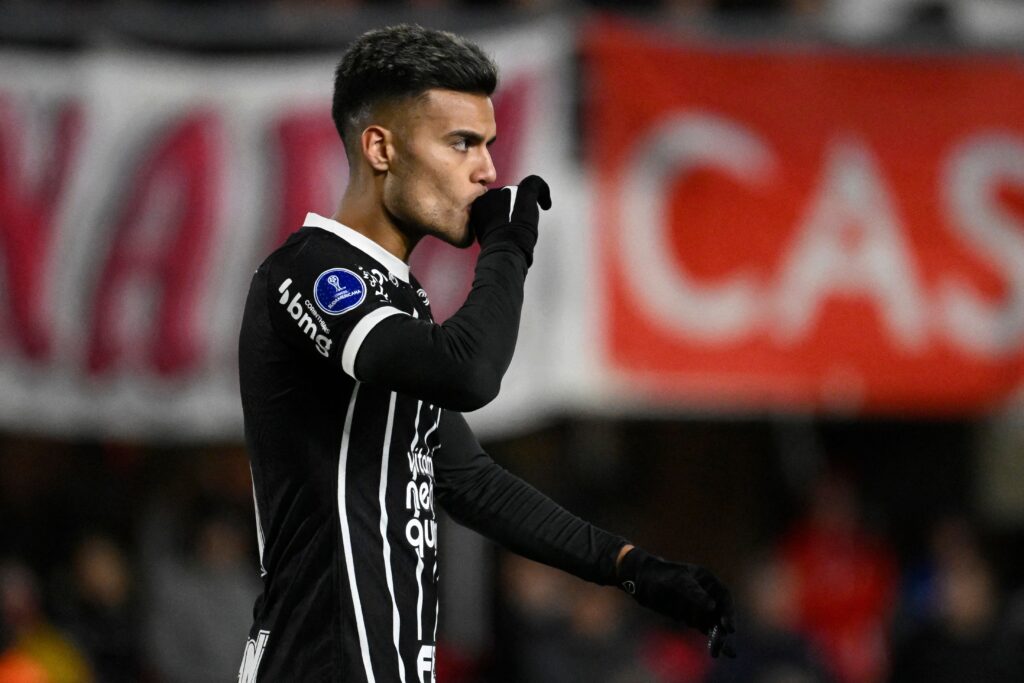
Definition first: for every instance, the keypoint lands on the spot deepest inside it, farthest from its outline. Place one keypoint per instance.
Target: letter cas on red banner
(808, 228)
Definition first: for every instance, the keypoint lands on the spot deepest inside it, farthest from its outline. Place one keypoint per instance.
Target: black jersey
(343, 378)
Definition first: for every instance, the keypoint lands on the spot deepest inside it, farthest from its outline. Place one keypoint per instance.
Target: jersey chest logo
(338, 290)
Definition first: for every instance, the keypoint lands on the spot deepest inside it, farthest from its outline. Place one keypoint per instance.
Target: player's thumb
(534, 188)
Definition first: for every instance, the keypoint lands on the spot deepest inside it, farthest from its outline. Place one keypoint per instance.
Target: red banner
(808, 228)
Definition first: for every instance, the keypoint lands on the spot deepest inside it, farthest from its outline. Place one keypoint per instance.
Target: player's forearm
(458, 365)
(503, 507)
(483, 496)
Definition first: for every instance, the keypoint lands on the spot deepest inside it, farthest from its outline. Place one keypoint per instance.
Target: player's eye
(461, 145)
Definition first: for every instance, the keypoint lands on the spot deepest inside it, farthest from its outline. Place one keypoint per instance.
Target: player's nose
(485, 173)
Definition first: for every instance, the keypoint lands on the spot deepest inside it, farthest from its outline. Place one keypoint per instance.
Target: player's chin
(463, 240)
(459, 241)
(460, 237)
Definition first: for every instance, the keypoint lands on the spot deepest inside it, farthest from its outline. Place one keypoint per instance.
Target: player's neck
(369, 219)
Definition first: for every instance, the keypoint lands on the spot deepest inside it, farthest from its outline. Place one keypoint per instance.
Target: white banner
(139, 191)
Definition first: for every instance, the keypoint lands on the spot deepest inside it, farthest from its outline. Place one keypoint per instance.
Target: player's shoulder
(320, 267)
(323, 242)
(309, 248)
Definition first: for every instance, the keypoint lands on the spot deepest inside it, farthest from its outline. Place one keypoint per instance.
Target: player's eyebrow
(472, 137)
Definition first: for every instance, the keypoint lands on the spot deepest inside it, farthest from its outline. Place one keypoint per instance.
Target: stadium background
(774, 327)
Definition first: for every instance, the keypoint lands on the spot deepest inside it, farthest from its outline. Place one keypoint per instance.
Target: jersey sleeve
(480, 494)
(321, 304)
(459, 364)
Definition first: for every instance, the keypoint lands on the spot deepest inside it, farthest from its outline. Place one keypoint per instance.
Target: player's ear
(376, 146)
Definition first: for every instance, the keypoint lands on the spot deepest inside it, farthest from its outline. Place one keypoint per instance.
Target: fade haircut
(399, 62)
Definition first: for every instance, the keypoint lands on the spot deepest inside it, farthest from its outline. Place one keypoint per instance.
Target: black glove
(510, 214)
(681, 591)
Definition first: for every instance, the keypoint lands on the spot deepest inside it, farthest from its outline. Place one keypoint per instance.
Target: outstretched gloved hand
(684, 592)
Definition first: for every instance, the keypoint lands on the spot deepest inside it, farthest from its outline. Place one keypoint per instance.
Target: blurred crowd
(826, 602)
(124, 564)
(119, 567)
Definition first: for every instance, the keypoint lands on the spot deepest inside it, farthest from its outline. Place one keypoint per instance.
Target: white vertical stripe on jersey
(437, 610)
(430, 431)
(385, 457)
(419, 597)
(419, 558)
(416, 428)
(259, 524)
(437, 547)
(346, 538)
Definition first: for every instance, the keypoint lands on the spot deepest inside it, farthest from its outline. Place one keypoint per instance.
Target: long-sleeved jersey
(350, 395)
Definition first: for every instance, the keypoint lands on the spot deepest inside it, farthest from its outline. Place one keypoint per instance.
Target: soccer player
(352, 393)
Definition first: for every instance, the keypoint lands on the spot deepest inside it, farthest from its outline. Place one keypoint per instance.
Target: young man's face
(441, 163)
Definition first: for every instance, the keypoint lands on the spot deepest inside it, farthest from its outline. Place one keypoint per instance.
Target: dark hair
(404, 61)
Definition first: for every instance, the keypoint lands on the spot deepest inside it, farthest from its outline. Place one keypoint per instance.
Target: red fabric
(453, 666)
(845, 585)
(788, 227)
(27, 222)
(171, 262)
(675, 658)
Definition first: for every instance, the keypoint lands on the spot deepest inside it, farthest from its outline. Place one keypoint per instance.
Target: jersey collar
(361, 242)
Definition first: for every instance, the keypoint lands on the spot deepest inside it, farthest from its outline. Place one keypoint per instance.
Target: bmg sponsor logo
(307, 324)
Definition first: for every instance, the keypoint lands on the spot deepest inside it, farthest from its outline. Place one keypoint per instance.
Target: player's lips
(469, 207)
